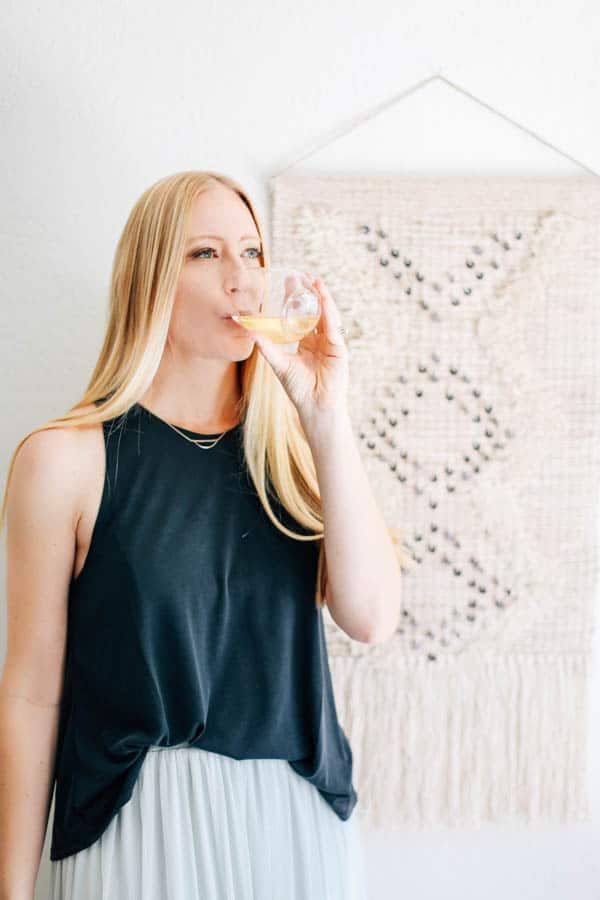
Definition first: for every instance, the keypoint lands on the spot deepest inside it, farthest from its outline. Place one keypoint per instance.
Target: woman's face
(223, 245)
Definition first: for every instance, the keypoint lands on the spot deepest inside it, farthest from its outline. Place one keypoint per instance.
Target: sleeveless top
(193, 620)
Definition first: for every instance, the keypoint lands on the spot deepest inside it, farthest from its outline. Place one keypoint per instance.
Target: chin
(242, 352)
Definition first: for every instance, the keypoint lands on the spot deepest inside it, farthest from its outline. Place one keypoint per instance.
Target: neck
(209, 407)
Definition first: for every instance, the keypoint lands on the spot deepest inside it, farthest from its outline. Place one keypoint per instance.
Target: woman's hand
(315, 378)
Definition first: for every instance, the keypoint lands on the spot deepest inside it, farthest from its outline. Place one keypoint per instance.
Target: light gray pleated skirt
(203, 826)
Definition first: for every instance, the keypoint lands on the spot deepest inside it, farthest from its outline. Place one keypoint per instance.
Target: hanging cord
(340, 132)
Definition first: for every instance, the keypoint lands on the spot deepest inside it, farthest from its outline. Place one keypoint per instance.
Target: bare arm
(364, 582)
(40, 540)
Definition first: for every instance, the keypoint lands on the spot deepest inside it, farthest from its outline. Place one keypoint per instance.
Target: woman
(166, 661)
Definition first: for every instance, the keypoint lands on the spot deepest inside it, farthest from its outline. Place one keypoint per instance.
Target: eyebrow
(216, 237)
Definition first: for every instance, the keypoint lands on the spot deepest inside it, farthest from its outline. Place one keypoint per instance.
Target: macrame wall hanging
(472, 313)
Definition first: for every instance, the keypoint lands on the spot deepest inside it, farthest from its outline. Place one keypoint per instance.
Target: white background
(99, 100)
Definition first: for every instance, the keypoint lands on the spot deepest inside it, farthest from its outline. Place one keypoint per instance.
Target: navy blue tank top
(193, 620)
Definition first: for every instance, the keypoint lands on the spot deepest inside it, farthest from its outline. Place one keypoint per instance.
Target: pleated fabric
(203, 826)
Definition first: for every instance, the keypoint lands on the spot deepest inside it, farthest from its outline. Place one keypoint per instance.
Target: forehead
(220, 211)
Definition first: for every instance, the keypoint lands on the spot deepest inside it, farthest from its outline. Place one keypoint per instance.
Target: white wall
(101, 99)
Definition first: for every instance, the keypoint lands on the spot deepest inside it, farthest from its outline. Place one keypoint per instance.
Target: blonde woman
(171, 542)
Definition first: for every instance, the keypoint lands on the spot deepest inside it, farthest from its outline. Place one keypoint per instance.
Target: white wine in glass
(289, 306)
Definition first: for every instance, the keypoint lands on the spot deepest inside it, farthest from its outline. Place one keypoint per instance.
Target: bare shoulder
(58, 476)
(55, 462)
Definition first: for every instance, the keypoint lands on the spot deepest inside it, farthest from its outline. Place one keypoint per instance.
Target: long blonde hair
(145, 272)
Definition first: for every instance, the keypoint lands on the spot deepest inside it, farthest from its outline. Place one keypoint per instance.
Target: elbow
(382, 628)
(380, 636)
(381, 632)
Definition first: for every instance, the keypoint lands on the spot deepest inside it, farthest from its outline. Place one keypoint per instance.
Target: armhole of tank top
(103, 509)
(105, 500)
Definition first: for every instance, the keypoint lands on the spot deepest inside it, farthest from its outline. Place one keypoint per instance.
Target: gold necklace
(199, 442)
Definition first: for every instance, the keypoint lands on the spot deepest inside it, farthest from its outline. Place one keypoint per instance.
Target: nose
(237, 278)
(243, 286)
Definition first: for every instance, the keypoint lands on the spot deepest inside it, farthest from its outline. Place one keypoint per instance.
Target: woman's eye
(197, 253)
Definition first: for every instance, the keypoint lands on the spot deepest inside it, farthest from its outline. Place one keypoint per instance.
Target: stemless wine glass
(289, 306)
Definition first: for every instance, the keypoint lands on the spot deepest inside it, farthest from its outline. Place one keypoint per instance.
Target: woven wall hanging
(472, 312)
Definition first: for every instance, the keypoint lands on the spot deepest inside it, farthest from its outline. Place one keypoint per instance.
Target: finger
(331, 321)
(275, 356)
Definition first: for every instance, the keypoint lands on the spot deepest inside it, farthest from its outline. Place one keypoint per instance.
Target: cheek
(192, 299)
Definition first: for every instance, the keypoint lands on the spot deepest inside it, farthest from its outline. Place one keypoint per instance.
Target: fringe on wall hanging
(473, 327)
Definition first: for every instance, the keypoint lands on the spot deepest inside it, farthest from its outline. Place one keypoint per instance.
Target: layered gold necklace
(205, 443)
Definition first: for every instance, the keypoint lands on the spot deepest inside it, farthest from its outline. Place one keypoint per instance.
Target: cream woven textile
(472, 309)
